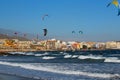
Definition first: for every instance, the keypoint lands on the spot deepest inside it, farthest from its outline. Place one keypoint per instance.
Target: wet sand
(13, 77)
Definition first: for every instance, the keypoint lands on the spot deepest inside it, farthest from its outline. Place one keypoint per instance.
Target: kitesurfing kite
(24, 35)
(73, 31)
(118, 11)
(15, 33)
(81, 32)
(45, 32)
(116, 3)
(43, 17)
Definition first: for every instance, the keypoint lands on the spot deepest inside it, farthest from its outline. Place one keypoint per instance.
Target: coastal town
(14, 45)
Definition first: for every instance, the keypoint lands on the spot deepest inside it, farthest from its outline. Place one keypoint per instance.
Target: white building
(111, 45)
(118, 44)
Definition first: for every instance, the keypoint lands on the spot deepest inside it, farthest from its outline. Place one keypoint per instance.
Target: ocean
(66, 65)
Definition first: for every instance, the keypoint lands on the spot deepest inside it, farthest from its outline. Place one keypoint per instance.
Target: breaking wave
(48, 57)
(56, 70)
(112, 59)
(90, 57)
(109, 58)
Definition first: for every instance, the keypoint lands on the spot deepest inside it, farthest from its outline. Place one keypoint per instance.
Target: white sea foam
(106, 59)
(112, 59)
(74, 56)
(29, 53)
(61, 52)
(65, 53)
(46, 57)
(54, 70)
(90, 57)
(67, 56)
(46, 53)
(5, 55)
(39, 54)
(17, 53)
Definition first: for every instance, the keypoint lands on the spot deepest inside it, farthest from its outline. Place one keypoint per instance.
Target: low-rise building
(90, 44)
(50, 44)
(58, 45)
(2, 42)
(100, 45)
(111, 45)
(118, 44)
(24, 44)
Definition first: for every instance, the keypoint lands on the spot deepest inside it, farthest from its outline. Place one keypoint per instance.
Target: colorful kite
(116, 3)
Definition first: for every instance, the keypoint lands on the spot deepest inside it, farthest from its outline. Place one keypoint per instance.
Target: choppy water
(79, 65)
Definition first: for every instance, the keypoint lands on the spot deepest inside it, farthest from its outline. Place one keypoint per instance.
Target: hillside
(10, 34)
(2, 36)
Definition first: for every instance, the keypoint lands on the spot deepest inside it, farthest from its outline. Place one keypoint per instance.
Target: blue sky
(97, 22)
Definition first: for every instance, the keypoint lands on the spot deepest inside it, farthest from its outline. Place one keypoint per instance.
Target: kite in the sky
(116, 3)
(24, 35)
(73, 31)
(81, 32)
(43, 17)
(15, 33)
(118, 11)
(45, 32)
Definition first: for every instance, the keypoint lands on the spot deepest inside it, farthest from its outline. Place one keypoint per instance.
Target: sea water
(67, 65)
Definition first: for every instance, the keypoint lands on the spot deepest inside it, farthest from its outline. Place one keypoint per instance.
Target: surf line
(67, 72)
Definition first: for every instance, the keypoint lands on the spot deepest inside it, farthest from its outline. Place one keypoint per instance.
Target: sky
(98, 22)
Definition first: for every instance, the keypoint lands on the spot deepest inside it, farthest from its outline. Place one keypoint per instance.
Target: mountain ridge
(9, 34)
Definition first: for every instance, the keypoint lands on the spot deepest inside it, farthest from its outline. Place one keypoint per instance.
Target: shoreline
(6, 51)
(4, 76)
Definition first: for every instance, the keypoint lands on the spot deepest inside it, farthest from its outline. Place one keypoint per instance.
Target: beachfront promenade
(17, 50)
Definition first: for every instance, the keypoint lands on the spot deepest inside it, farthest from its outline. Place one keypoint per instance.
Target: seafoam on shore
(85, 65)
